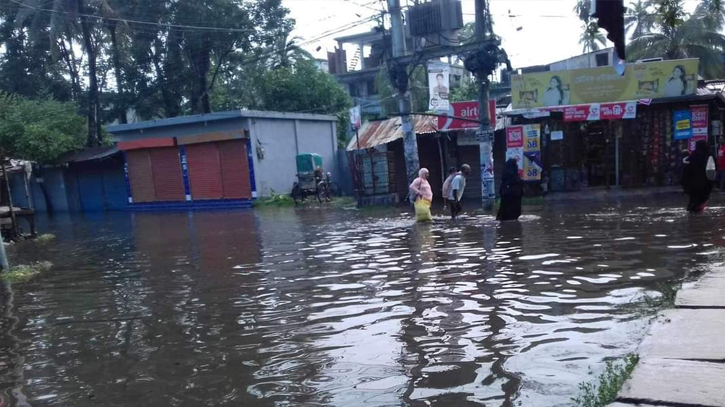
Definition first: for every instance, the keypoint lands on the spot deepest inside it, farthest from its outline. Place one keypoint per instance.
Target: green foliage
(274, 201)
(666, 299)
(468, 90)
(674, 34)
(418, 88)
(592, 38)
(25, 272)
(603, 391)
(39, 130)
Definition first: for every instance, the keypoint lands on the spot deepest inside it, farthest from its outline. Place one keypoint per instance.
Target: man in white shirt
(457, 186)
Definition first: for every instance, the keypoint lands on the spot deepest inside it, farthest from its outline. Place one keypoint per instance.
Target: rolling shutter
(167, 176)
(235, 169)
(204, 171)
(140, 176)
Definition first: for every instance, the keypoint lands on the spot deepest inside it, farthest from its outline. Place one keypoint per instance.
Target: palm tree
(639, 18)
(288, 51)
(712, 13)
(678, 36)
(592, 39)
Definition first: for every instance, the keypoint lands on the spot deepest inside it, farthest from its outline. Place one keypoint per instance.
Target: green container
(306, 163)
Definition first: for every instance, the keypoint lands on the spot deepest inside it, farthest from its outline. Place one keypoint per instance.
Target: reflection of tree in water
(452, 365)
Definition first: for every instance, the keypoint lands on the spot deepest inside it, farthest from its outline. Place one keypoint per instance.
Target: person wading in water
(512, 190)
(696, 184)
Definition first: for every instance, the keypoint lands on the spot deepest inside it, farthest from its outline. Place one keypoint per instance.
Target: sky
(534, 32)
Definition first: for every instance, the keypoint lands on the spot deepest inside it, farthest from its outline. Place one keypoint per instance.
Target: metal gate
(376, 173)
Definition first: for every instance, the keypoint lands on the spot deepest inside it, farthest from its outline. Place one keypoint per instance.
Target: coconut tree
(677, 35)
(288, 51)
(639, 18)
(712, 13)
(592, 39)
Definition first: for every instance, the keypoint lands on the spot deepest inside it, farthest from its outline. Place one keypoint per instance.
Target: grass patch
(25, 272)
(666, 299)
(603, 391)
(46, 237)
(274, 201)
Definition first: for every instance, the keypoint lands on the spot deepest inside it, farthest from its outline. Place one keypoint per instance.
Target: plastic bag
(422, 210)
(711, 169)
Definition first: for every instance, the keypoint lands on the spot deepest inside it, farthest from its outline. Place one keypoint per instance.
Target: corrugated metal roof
(375, 133)
(89, 154)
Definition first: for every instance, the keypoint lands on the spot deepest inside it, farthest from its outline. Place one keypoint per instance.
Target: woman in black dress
(696, 184)
(512, 190)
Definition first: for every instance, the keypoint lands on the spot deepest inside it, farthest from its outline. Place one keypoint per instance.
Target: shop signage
(557, 135)
(693, 140)
(683, 124)
(597, 111)
(699, 120)
(523, 143)
(468, 110)
(649, 80)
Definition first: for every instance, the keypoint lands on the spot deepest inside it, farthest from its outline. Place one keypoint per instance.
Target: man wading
(457, 186)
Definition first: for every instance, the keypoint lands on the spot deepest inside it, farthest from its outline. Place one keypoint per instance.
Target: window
(354, 90)
(602, 59)
(372, 89)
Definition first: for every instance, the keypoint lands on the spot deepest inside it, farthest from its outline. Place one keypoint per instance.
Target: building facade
(220, 159)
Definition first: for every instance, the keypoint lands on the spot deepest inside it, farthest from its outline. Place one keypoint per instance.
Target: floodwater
(339, 307)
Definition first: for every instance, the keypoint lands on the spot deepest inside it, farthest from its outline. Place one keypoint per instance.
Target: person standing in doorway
(512, 190)
(721, 164)
(697, 186)
(447, 185)
(458, 185)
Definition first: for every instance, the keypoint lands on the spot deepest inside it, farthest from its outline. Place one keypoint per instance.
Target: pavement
(682, 358)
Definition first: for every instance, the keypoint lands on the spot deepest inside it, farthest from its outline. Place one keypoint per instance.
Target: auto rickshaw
(311, 181)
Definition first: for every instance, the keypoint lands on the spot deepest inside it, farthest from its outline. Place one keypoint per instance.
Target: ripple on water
(341, 308)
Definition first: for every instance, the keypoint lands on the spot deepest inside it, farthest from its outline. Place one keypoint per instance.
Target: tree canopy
(39, 130)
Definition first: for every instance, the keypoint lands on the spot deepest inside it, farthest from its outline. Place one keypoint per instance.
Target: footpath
(682, 358)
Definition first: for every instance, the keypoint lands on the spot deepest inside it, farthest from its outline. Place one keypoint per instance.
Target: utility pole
(399, 78)
(485, 132)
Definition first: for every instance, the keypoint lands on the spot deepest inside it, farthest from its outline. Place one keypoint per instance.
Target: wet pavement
(339, 307)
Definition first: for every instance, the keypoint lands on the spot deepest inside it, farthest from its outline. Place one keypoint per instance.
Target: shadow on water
(339, 307)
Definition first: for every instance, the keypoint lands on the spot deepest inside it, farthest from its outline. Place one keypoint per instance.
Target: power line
(129, 21)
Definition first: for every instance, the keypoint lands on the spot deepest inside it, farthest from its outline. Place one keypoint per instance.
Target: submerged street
(336, 306)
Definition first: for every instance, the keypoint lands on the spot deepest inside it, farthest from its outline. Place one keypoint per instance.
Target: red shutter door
(204, 171)
(235, 169)
(168, 179)
(140, 176)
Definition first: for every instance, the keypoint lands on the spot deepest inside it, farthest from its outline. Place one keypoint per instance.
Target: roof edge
(216, 116)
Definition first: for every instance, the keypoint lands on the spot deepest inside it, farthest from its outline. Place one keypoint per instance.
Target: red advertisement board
(468, 110)
(514, 137)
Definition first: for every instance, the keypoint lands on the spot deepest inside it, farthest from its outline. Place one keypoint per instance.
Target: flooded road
(339, 307)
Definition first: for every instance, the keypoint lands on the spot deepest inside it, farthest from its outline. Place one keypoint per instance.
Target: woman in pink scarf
(421, 191)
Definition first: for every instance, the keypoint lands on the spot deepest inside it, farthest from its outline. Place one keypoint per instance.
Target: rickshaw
(311, 181)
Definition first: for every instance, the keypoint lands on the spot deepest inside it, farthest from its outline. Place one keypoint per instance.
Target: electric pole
(399, 79)
(485, 132)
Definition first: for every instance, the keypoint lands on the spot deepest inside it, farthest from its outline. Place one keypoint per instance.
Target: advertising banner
(699, 120)
(468, 110)
(683, 124)
(694, 139)
(515, 137)
(596, 111)
(355, 118)
(597, 85)
(524, 144)
(438, 86)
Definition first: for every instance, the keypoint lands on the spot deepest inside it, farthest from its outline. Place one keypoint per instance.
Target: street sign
(484, 136)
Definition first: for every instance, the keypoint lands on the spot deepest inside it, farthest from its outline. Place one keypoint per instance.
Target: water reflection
(339, 307)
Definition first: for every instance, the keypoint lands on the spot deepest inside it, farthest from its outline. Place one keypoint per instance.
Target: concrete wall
(581, 61)
(282, 140)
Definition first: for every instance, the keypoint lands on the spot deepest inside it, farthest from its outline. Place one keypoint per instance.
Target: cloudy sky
(533, 31)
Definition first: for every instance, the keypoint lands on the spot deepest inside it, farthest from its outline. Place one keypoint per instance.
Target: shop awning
(379, 132)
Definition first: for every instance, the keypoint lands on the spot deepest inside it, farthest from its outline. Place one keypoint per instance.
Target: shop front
(628, 131)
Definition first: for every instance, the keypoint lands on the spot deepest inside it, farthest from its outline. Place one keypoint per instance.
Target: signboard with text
(651, 80)
(523, 143)
(468, 110)
(682, 121)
